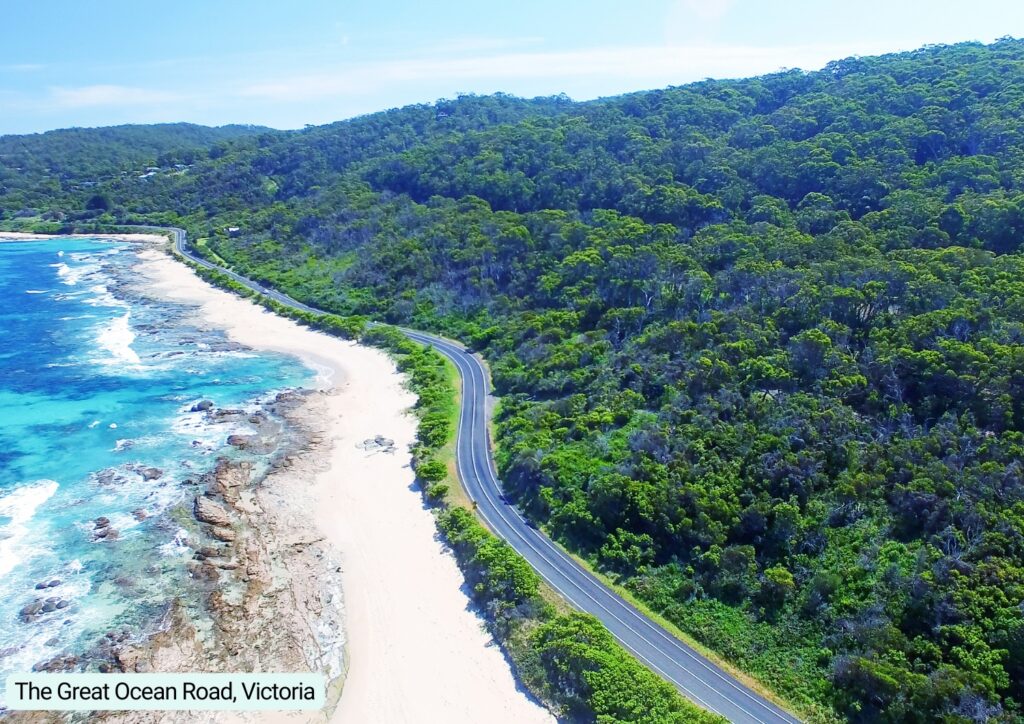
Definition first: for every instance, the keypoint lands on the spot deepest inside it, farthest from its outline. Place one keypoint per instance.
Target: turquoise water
(96, 385)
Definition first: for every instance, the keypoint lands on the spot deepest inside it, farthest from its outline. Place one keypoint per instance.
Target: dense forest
(759, 343)
(37, 168)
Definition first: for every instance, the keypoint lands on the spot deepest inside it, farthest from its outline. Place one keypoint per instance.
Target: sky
(288, 64)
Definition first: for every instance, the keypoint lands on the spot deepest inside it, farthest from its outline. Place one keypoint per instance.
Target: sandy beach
(415, 649)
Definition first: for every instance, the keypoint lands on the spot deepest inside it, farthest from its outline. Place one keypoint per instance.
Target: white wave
(117, 338)
(103, 298)
(71, 275)
(178, 546)
(60, 253)
(204, 435)
(36, 291)
(93, 424)
(19, 506)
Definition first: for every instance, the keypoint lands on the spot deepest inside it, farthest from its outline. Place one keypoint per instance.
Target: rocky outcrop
(64, 662)
(102, 529)
(230, 477)
(207, 511)
(202, 406)
(223, 533)
(152, 474)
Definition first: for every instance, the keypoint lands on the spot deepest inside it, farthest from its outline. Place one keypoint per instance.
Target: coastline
(414, 648)
(26, 236)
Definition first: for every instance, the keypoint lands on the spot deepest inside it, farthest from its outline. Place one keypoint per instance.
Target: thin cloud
(93, 96)
(657, 65)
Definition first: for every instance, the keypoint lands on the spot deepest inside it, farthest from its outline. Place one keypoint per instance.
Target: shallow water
(96, 385)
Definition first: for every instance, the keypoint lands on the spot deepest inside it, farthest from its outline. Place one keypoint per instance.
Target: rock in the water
(139, 514)
(227, 414)
(202, 406)
(40, 586)
(242, 442)
(62, 604)
(152, 474)
(52, 584)
(224, 534)
(206, 572)
(210, 512)
(49, 606)
(102, 522)
(58, 663)
(32, 609)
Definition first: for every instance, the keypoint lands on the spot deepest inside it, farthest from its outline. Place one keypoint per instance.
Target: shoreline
(414, 648)
(27, 236)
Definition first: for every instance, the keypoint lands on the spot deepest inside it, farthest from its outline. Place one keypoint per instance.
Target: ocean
(97, 385)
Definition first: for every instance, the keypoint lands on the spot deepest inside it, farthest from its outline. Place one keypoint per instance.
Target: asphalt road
(695, 676)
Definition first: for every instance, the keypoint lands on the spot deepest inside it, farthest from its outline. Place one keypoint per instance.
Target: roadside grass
(202, 245)
(456, 494)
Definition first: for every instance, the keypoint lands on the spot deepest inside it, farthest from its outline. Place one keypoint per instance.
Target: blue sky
(286, 64)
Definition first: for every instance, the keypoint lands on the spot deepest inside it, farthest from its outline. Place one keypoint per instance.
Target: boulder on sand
(210, 512)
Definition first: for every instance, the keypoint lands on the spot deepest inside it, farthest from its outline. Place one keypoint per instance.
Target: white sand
(416, 651)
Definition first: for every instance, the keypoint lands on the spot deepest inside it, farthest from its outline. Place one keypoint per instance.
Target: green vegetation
(759, 342)
(36, 169)
(570, 661)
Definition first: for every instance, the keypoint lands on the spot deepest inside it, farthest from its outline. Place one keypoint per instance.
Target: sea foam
(19, 506)
(117, 337)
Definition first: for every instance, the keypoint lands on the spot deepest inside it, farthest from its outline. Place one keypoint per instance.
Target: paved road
(694, 676)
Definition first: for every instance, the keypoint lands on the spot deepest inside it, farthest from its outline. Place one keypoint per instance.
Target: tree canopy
(759, 342)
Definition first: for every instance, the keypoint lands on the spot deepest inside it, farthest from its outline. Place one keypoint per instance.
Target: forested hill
(35, 168)
(759, 342)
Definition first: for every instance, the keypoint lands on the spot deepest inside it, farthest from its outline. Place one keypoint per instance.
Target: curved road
(695, 676)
